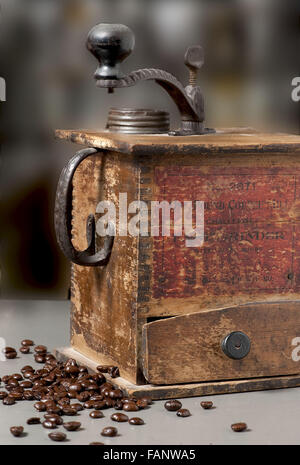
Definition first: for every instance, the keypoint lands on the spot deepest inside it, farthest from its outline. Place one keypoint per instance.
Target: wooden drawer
(188, 348)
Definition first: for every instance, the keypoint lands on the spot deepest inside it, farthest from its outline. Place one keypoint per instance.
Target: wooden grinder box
(167, 315)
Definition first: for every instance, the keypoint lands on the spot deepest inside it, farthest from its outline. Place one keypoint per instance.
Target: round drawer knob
(236, 345)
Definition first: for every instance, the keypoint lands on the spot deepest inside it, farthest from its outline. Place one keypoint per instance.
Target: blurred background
(251, 55)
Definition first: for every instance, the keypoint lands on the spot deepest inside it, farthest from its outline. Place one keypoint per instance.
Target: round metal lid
(138, 121)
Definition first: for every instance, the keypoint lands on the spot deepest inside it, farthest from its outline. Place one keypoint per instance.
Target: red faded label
(251, 225)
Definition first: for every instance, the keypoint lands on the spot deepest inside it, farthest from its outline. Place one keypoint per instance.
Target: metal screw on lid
(138, 121)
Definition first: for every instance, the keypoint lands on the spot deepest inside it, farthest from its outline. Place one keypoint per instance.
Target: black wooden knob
(110, 44)
(236, 345)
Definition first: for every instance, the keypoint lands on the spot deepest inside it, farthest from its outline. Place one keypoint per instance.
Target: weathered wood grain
(188, 348)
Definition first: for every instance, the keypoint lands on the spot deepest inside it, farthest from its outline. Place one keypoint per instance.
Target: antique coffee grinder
(221, 315)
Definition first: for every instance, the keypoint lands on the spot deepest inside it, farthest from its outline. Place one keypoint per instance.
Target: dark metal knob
(236, 345)
(194, 60)
(110, 44)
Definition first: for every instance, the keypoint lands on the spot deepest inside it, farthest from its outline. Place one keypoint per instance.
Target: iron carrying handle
(63, 219)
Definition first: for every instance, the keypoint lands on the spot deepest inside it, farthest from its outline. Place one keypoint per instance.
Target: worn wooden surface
(188, 348)
(103, 315)
(184, 390)
(229, 140)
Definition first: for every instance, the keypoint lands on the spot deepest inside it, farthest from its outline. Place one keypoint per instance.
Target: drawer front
(197, 347)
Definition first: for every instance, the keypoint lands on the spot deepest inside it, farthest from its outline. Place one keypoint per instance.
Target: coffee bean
(120, 417)
(27, 368)
(96, 444)
(89, 404)
(110, 431)
(114, 372)
(116, 394)
(26, 384)
(238, 427)
(54, 410)
(142, 403)
(103, 368)
(8, 401)
(24, 350)
(17, 376)
(16, 395)
(7, 350)
(54, 418)
(72, 370)
(57, 436)
(11, 355)
(40, 349)
(96, 414)
(40, 406)
(39, 358)
(27, 342)
(3, 394)
(6, 379)
(16, 430)
(69, 411)
(77, 406)
(33, 421)
(136, 421)
(49, 424)
(83, 396)
(206, 404)
(183, 412)
(130, 407)
(28, 395)
(72, 425)
(173, 405)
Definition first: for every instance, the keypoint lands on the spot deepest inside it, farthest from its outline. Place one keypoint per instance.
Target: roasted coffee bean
(110, 431)
(40, 406)
(27, 374)
(57, 436)
(50, 357)
(24, 350)
(96, 444)
(118, 405)
(96, 397)
(27, 368)
(207, 404)
(77, 406)
(26, 384)
(6, 379)
(183, 412)
(72, 370)
(120, 417)
(16, 395)
(99, 405)
(13, 383)
(238, 427)
(114, 372)
(49, 424)
(17, 376)
(75, 388)
(27, 342)
(130, 407)
(103, 368)
(142, 403)
(16, 430)
(83, 396)
(28, 395)
(3, 394)
(69, 411)
(116, 394)
(8, 401)
(96, 414)
(11, 355)
(136, 421)
(40, 349)
(172, 405)
(39, 358)
(72, 425)
(7, 350)
(89, 404)
(57, 419)
(82, 369)
(33, 421)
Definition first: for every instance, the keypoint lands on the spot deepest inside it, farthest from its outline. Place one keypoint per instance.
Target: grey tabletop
(272, 416)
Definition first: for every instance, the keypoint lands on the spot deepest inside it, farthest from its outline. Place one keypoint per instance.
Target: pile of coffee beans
(62, 389)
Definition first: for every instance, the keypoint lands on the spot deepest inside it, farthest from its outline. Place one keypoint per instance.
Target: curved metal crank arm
(63, 219)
